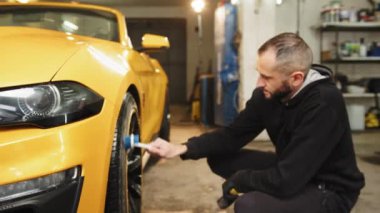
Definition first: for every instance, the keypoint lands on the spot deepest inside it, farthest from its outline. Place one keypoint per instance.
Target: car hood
(30, 55)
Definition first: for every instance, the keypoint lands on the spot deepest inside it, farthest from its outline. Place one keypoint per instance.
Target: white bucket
(356, 114)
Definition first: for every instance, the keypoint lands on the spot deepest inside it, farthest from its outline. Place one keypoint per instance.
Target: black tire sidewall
(165, 125)
(116, 199)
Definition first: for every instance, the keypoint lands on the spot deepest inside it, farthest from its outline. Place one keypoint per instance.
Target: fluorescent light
(198, 5)
(234, 2)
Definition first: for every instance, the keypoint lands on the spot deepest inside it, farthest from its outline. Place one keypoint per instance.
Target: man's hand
(239, 180)
(164, 149)
(232, 187)
(229, 195)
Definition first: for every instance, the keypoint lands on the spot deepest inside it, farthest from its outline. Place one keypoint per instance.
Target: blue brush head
(128, 143)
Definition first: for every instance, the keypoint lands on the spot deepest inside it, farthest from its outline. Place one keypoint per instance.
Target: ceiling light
(234, 2)
(198, 5)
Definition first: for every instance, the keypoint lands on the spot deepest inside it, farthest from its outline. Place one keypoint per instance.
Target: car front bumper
(29, 153)
(63, 199)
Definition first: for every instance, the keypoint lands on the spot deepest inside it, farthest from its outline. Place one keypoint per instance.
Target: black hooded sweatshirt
(311, 135)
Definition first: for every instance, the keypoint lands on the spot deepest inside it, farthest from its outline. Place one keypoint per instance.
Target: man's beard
(283, 93)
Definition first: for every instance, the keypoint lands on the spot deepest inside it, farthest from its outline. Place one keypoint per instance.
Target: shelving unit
(340, 27)
(355, 101)
(367, 60)
(348, 27)
(359, 95)
(351, 27)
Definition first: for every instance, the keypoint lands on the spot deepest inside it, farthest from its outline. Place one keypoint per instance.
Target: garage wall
(256, 20)
(259, 20)
(207, 47)
(286, 19)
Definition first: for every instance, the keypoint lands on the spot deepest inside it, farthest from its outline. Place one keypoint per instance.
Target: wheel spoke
(134, 193)
(135, 188)
(134, 162)
(134, 204)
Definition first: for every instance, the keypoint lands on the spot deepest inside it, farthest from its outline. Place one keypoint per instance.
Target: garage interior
(176, 186)
(195, 188)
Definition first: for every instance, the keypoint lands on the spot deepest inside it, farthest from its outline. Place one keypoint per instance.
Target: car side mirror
(151, 42)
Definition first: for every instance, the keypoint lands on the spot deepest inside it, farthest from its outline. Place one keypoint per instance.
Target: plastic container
(355, 89)
(356, 115)
(363, 48)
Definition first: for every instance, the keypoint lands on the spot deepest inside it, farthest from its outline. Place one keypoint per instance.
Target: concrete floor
(176, 186)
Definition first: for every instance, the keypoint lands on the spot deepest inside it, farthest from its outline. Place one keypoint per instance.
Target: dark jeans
(314, 198)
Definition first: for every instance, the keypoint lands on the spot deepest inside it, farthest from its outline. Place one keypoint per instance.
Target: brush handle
(142, 145)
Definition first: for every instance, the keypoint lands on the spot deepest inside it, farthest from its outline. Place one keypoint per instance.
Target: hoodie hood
(316, 73)
(323, 70)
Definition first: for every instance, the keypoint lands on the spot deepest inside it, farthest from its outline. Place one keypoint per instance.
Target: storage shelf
(338, 27)
(370, 58)
(358, 95)
(363, 60)
(369, 130)
(350, 27)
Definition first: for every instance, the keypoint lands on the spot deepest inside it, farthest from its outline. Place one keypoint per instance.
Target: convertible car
(71, 88)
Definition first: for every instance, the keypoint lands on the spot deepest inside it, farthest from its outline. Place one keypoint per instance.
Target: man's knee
(255, 202)
(216, 166)
(245, 203)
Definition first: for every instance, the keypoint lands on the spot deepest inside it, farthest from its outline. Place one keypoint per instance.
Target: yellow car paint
(108, 68)
(154, 41)
(30, 153)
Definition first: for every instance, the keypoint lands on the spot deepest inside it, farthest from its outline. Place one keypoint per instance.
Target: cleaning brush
(131, 141)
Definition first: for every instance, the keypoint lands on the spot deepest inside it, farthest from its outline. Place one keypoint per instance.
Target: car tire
(124, 178)
(164, 134)
(165, 125)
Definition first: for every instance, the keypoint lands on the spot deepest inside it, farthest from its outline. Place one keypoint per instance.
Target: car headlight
(37, 185)
(48, 105)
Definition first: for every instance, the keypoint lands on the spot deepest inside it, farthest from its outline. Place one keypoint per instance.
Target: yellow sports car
(71, 88)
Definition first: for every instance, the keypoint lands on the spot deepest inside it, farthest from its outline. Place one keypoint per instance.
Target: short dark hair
(292, 52)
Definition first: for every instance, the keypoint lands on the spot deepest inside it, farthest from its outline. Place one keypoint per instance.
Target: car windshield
(93, 23)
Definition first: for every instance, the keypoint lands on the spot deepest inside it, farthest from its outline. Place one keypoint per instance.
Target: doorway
(172, 60)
